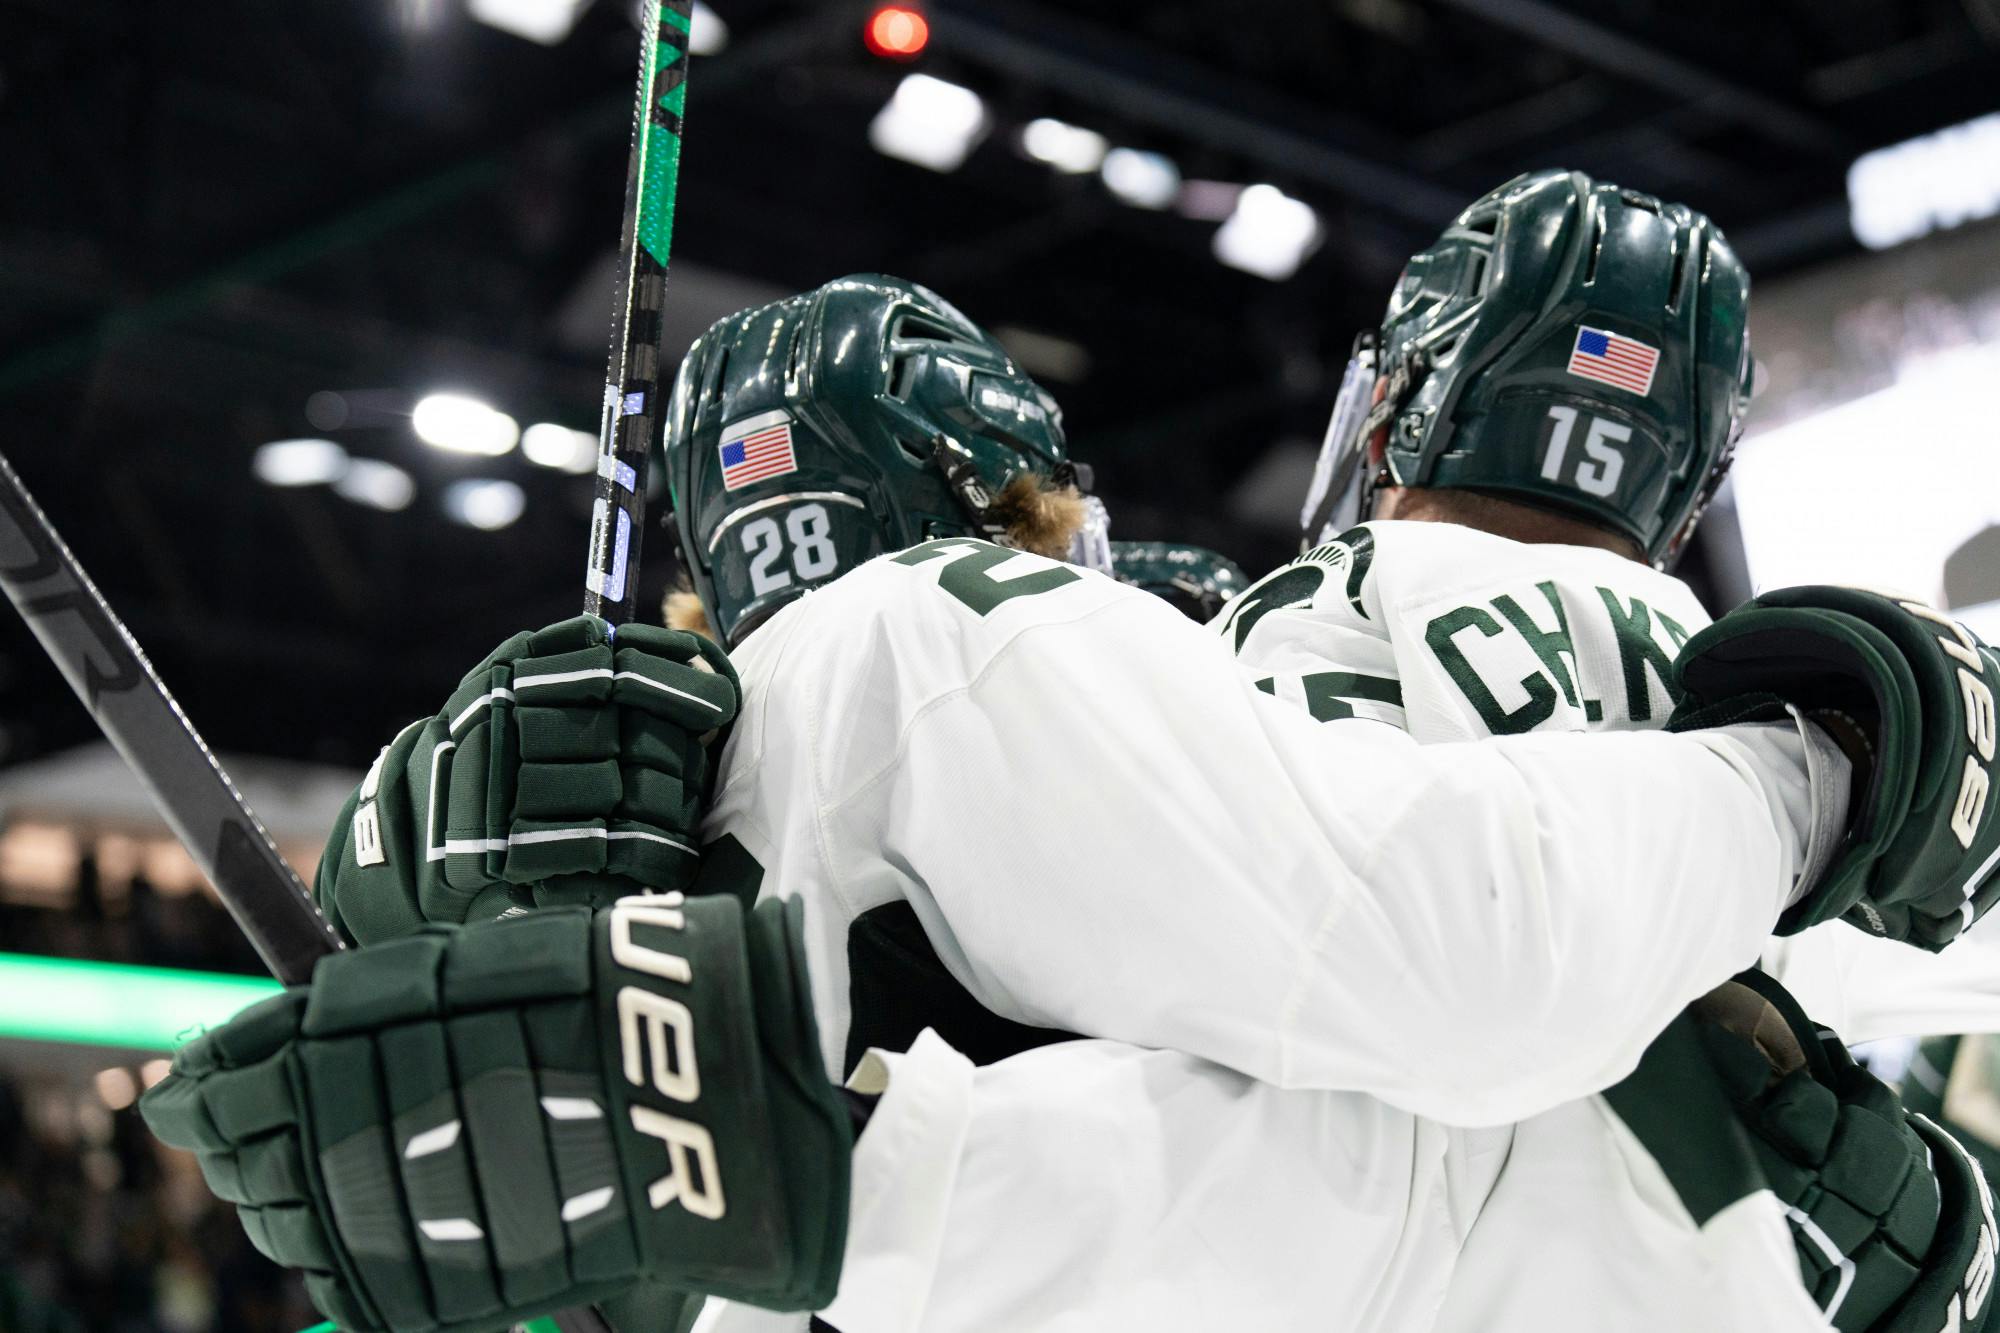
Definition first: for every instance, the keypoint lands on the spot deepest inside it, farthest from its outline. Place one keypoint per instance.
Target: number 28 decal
(1596, 470)
(805, 543)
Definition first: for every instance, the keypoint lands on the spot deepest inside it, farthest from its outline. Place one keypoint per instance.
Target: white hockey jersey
(1497, 942)
(1106, 828)
(1102, 1187)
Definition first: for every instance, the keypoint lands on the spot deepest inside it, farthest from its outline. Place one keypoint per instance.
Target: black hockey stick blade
(126, 698)
(131, 705)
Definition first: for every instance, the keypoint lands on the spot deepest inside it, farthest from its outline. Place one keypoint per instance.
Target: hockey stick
(632, 380)
(632, 406)
(106, 667)
(126, 698)
(132, 706)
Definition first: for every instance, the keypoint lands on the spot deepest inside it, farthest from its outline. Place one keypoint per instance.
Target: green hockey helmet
(1196, 581)
(1567, 344)
(811, 434)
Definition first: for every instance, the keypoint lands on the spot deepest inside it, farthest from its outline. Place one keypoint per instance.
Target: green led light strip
(110, 1004)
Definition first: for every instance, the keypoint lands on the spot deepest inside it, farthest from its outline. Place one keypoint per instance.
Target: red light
(898, 32)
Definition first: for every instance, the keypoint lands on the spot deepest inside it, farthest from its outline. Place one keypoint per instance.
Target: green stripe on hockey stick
(660, 146)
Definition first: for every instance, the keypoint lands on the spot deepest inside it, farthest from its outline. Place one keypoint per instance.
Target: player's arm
(1109, 1186)
(1107, 829)
(1158, 1191)
(1870, 988)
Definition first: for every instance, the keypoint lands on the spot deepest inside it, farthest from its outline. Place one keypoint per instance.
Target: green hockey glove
(1891, 1219)
(472, 1126)
(1918, 863)
(566, 768)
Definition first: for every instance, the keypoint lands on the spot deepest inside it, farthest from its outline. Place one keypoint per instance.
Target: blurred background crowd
(303, 312)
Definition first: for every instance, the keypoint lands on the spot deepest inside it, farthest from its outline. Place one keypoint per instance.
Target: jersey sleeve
(1096, 1185)
(1868, 988)
(1106, 828)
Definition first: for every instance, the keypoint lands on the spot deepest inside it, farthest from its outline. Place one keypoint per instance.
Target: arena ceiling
(215, 209)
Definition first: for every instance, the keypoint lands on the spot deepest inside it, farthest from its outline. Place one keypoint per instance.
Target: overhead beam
(1137, 82)
(1615, 52)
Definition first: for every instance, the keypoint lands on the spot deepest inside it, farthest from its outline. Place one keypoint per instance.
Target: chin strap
(955, 461)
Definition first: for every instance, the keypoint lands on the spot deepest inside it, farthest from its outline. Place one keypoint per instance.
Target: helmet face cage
(880, 417)
(1338, 497)
(1565, 344)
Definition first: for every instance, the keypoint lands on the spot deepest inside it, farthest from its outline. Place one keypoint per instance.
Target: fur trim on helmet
(1037, 517)
(685, 612)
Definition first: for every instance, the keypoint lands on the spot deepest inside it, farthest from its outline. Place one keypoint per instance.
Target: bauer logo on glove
(656, 1039)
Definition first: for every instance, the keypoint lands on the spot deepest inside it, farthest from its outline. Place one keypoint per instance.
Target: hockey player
(1734, 1151)
(878, 716)
(979, 585)
(1825, 1150)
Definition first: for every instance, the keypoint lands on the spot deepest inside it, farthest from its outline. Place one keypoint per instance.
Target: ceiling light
(1068, 148)
(462, 425)
(543, 21)
(1933, 183)
(549, 445)
(486, 505)
(299, 462)
(1270, 233)
(707, 33)
(378, 485)
(897, 32)
(929, 122)
(1143, 180)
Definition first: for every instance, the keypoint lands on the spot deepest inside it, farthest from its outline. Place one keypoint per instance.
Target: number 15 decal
(1600, 466)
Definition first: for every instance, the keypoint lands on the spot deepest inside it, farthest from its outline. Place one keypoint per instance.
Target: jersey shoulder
(1331, 582)
(871, 649)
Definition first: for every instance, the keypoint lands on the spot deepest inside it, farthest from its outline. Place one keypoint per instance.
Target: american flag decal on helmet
(757, 449)
(1610, 358)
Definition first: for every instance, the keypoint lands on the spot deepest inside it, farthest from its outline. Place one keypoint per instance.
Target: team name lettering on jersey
(1537, 620)
(656, 1038)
